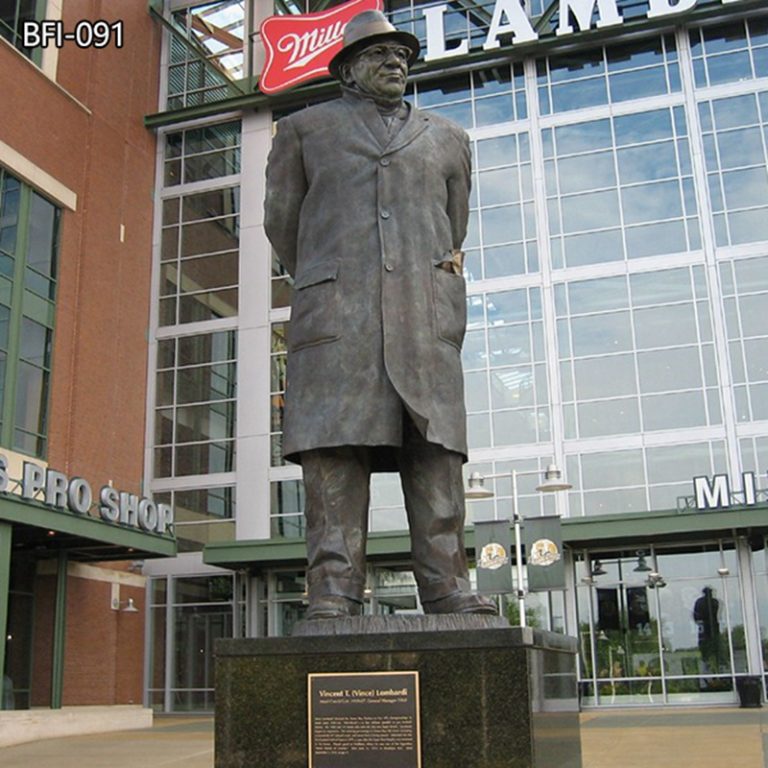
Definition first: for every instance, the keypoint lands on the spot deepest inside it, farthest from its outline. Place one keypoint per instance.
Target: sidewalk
(674, 738)
(677, 738)
(172, 742)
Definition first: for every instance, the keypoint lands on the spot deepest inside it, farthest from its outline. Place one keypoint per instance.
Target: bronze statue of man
(366, 207)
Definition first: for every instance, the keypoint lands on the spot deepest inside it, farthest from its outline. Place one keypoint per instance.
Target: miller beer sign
(299, 48)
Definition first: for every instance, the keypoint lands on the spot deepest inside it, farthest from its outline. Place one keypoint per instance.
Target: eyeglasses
(383, 52)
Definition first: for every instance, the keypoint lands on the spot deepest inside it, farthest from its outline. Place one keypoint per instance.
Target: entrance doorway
(660, 625)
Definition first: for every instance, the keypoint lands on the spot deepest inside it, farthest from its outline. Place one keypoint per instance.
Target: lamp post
(553, 482)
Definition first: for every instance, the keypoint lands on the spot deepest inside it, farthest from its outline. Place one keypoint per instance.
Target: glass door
(619, 619)
(661, 625)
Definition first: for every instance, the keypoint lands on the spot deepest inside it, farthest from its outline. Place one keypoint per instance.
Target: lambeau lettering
(509, 18)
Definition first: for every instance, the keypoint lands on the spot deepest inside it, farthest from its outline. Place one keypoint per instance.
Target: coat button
(389, 267)
(385, 161)
(384, 214)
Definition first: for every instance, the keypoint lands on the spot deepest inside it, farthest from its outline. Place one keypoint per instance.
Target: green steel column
(59, 633)
(6, 532)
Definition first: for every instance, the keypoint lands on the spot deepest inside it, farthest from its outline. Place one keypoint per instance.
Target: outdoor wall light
(116, 604)
(723, 571)
(642, 566)
(126, 606)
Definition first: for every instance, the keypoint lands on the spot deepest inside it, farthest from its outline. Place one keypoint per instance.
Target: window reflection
(614, 74)
(745, 291)
(484, 97)
(730, 52)
(632, 355)
(639, 166)
(197, 378)
(660, 626)
(505, 375)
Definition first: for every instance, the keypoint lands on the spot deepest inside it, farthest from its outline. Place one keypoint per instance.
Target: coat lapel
(416, 123)
(365, 110)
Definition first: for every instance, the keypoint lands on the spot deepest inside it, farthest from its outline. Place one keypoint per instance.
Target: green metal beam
(6, 534)
(14, 509)
(59, 633)
(271, 552)
(577, 532)
(659, 526)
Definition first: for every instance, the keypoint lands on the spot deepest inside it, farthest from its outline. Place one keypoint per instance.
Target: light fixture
(126, 606)
(655, 580)
(597, 568)
(723, 571)
(553, 481)
(477, 489)
(116, 604)
(642, 566)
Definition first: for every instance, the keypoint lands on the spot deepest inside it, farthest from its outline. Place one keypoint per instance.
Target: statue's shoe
(462, 602)
(333, 607)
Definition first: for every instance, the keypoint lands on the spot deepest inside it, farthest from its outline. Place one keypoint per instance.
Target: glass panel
(609, 332)
(204, 504)
(605, 376)
(209, 382)
(203, 589)
(41, 246)
(31, 399)
(206, 458)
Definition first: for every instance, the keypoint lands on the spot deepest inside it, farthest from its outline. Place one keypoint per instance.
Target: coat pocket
(450, 292)
(315, 312)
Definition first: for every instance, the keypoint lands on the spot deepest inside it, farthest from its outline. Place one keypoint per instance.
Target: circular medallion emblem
(492, 556)
(544, 552)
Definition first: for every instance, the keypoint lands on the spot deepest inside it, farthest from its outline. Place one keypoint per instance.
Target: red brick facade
(85, 130)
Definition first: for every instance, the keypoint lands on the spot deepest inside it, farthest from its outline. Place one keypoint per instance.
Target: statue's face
(381, 69)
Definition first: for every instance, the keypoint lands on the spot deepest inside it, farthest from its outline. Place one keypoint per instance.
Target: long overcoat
(365, 223)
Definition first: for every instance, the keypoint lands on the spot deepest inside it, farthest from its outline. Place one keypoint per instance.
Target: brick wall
(86, 131)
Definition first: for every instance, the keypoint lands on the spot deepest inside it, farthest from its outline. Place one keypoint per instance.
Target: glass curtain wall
(187, 615)
(660, 625)
(195, 397)
(601, 200)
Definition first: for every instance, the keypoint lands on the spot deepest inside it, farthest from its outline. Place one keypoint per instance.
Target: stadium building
(617, 264)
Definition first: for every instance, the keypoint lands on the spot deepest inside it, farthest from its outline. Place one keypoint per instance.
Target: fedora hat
(369, 28)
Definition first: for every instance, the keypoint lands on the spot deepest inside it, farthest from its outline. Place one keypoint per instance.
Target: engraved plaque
(369, 719)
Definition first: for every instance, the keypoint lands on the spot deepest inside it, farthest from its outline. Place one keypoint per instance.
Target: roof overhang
(601, 531)
(44, 531)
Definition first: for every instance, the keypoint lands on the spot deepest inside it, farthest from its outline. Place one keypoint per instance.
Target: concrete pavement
(637, 738)
(171, 742)
(674, 738)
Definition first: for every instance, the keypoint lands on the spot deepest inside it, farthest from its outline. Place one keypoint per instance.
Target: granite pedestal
(491, 696)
